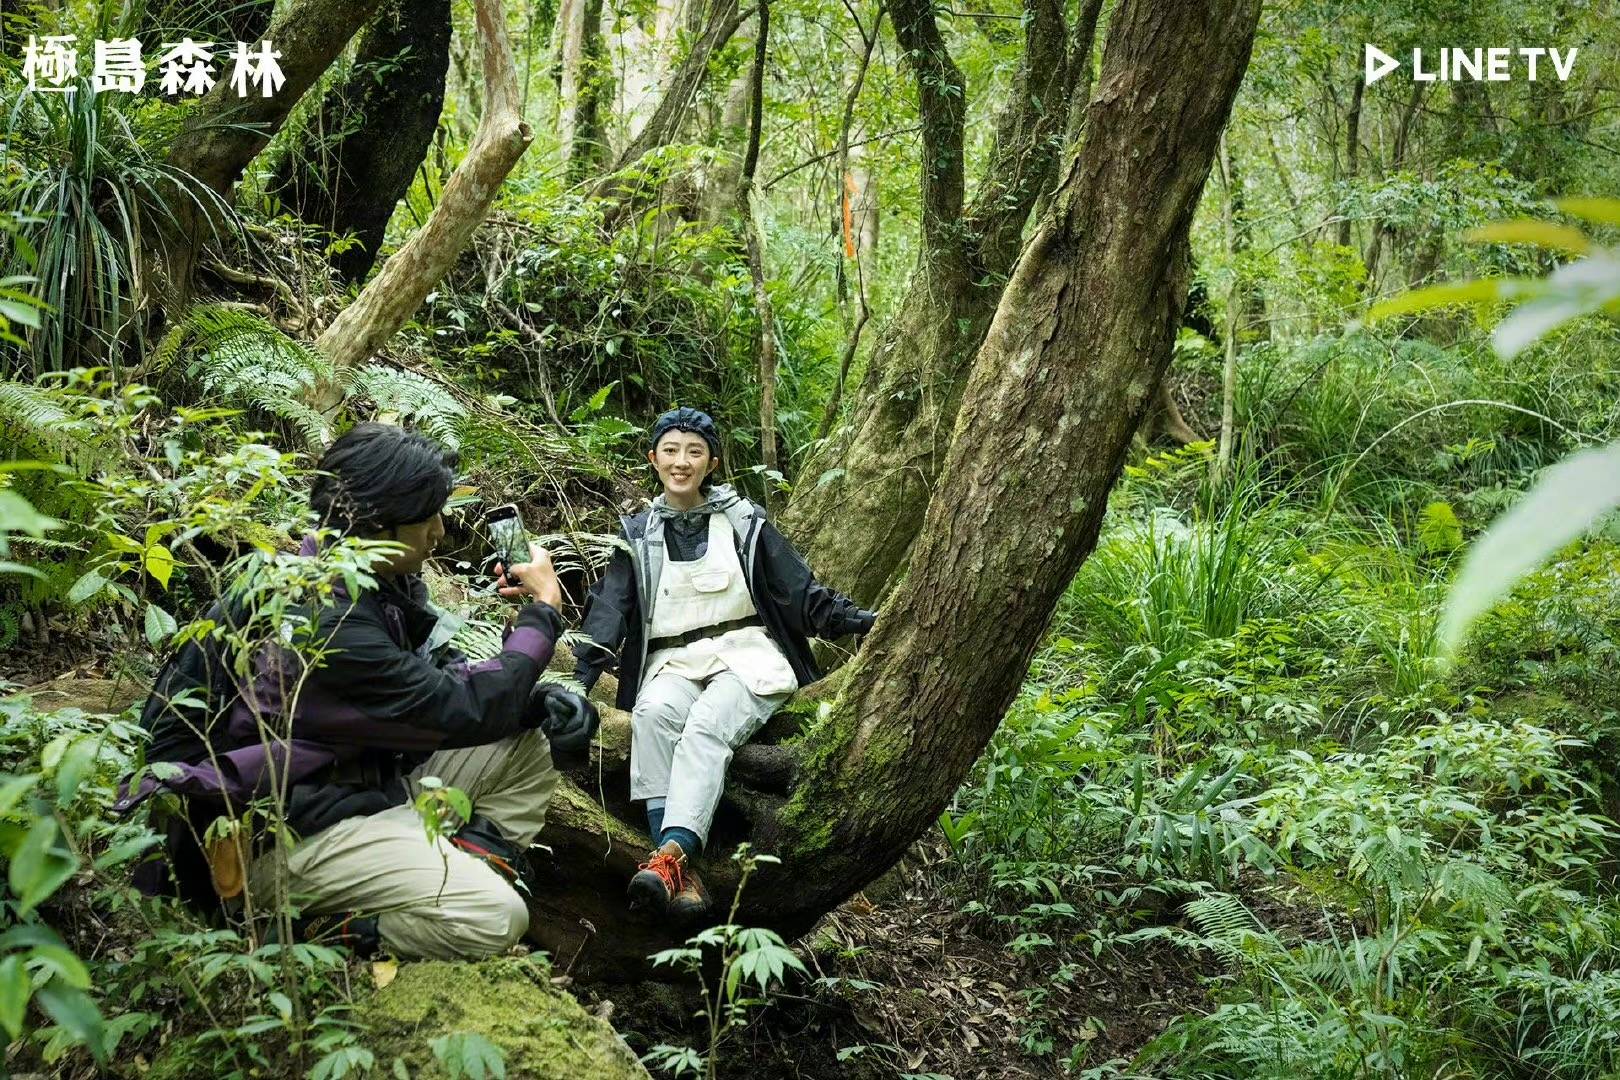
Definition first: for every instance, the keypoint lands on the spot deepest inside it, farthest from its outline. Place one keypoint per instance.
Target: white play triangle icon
(1379, 64)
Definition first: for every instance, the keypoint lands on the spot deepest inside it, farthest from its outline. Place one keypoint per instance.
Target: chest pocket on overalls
(711, 579)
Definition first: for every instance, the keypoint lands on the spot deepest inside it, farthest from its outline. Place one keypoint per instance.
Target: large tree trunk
(358, 155)
(1081, 337)
(394, 295)
(860, 498)
(225, 132)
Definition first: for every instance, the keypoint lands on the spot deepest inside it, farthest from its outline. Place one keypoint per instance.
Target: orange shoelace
(668, 867)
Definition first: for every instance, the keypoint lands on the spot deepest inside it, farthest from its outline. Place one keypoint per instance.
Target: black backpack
(191, 697)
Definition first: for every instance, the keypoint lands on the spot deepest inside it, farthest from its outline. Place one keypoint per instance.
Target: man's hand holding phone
(536, 578)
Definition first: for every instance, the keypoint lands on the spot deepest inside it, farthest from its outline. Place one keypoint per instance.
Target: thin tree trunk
(1352, 151)
(570, 34)
(1382, 230)
(1223, 453)
(394, 295)
(748, 205)
(859, 501)
(586, 131)
(1083, 332)
(857, 222)
(356, 159)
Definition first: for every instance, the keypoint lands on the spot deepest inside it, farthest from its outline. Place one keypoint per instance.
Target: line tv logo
(1474, 65)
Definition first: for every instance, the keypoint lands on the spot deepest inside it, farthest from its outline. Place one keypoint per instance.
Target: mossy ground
(542, 1030)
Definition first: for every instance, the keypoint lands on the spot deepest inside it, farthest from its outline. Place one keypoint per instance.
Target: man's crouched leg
(432, 899)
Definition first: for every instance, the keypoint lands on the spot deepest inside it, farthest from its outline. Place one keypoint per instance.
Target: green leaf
(1564, 502)
(160, 625)
(1446, 294)
(1438, 528)
(77, 1014)
(17, 514)
(160, 564)
(87, 586)
(15, 990)
(39, 866)
(467, 1053)
(1600, 211)
(79, 759)
(1546, 234)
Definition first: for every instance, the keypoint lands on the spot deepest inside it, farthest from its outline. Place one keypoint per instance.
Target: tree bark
(720, 21)
(587, 139)
(397, 291)
(1352, 151)
(860, 499)
(1383, 230)
(748, 205)
(1080, 339)
(357, 157)
(225, 132)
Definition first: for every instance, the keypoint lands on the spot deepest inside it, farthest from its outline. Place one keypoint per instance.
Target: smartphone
(508, 535)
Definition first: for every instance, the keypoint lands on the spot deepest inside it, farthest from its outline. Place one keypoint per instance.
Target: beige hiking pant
(432, 900)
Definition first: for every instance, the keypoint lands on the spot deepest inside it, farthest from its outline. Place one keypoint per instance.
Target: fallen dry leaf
(383, 972)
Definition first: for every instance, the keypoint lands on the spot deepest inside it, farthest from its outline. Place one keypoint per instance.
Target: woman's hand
(536, 578)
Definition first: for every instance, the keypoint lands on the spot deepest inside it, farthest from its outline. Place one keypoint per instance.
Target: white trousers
(432, 900)
(682, 734)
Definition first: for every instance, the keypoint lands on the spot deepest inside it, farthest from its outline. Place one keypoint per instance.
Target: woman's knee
(656, 716)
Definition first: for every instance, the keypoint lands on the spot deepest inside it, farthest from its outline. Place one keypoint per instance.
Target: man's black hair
(379, 476)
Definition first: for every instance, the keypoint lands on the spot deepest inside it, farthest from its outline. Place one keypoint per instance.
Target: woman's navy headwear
(691, 420)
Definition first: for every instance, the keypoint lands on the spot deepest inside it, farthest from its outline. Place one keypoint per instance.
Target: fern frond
(33, 422)
(426, 404)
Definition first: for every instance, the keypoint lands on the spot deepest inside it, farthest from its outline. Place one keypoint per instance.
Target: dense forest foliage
(1299, 761)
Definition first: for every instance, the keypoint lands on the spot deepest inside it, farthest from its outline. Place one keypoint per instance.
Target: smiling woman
(709, 610)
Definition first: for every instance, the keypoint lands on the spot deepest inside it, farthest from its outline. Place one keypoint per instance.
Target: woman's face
(419, 540)
(682, 461)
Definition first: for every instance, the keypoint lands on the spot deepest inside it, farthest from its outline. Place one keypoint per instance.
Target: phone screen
(508, 535)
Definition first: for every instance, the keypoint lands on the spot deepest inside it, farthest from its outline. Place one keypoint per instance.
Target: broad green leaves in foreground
(1572, 495)
(1567, 499)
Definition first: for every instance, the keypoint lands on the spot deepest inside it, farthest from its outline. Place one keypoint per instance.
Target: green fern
(428, 405)
(246, 362)
(34, 423)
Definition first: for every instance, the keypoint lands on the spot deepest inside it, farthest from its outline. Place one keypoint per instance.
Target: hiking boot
(691, 900)
(658, 881)
(340, 928)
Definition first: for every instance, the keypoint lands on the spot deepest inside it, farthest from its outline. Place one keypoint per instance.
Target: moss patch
(511, 1002)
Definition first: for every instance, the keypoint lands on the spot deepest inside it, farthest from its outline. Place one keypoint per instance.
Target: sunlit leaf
(1446, 294)
(1564, 502)
(1600, 211)
(1546, 234)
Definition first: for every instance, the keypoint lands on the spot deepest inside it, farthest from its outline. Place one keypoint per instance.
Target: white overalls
(699, 702)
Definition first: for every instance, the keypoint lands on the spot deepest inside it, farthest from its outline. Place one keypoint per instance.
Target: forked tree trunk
(1080, 339)
(394, 295)
(859, 500)
(719, 21)
(358, 154)
(225, 131)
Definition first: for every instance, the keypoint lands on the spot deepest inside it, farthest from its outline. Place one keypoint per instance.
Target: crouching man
(708, 610)
(350, 736)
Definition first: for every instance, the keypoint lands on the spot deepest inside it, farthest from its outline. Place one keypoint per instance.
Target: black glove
(568, 719)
